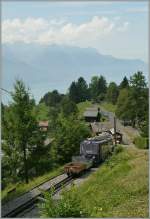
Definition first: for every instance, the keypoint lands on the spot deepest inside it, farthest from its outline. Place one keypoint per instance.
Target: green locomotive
(93, 151)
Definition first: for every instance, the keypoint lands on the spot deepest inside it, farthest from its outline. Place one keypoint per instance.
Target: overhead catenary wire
(9, 92)
(6, 97)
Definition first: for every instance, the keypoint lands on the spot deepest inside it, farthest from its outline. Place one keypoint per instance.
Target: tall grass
(141, 142)
(118, 189)
(109, 107)
(82, 107)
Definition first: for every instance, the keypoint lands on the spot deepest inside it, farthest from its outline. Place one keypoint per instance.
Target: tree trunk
(25, 164)
(133, 123)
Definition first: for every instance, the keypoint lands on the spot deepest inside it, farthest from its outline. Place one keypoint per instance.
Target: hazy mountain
(46, 68)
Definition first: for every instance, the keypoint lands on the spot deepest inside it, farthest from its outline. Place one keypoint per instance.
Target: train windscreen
(89, 147)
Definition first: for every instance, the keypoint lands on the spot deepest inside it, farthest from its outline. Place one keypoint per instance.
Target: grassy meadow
(119, 188)
(82, 107)
(108, 106)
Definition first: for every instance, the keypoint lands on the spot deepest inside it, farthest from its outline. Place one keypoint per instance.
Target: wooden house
(98, 127)
(118, 135)
(92, 114)
(43, 125)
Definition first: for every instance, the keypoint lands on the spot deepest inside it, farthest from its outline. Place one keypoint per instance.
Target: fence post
(115, 130)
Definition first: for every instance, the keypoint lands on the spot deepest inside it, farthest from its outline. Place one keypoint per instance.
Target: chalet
(126, 122)
(98, 127)
(92, 114)
(43, 125)
(118, 135)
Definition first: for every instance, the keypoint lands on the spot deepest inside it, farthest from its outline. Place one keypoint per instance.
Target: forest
(25, 154)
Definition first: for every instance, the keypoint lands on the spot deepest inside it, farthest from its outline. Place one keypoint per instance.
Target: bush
(141, 142)
(118, 149)
(69, 205)
(70, 132)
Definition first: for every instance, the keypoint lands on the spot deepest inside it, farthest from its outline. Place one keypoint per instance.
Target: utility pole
(115, 130)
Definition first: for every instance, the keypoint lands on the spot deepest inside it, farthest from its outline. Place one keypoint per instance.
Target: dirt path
(129, 133)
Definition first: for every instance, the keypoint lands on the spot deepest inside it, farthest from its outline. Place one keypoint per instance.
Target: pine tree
(20, 124)
(112, 92)
(98, 88)
(124, 83)
(82, 89)
(74, 92)
(68, 107)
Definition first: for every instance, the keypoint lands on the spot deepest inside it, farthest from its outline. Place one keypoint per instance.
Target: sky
(113, 28)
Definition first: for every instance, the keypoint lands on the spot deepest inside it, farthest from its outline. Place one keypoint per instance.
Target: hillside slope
(119, 188)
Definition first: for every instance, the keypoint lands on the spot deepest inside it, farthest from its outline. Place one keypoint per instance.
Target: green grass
(109, 107)
(140, 142)
(22, 187)
(119, 188)
(82, 107)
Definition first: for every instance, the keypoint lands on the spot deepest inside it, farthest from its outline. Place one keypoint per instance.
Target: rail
(21, 203)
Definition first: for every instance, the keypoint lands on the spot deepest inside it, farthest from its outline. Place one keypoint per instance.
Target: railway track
(28, 200)
(34, 212)
(28, 208)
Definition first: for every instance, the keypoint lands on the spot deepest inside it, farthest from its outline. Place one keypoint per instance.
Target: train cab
(97, 148)
(92, 152)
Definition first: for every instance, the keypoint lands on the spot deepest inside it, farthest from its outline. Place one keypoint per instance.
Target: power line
(6, 91)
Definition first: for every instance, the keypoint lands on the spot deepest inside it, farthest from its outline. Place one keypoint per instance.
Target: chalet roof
(107, 125)
(91, 112)
(113, 131)
(100, 126)
(43, 123)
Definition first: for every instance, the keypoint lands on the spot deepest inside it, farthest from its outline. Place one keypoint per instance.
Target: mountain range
(44, 68)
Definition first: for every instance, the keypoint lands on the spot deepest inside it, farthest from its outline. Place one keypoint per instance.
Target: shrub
(141, 142)
(118, 149)
(106, 152)
(69, 205)
(70, 132)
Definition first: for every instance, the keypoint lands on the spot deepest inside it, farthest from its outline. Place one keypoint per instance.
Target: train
(93, 151)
